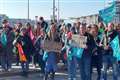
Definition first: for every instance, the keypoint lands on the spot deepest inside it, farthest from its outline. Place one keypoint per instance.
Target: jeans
(6, 60)
(97, 63)
(72, 68)
(109, 59)
(25, 68)
(85, 67)
(119, 69)
(51, 76)
(41, 63)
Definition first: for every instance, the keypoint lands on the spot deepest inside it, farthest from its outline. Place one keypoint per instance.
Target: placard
(50, 45)
(79, 41)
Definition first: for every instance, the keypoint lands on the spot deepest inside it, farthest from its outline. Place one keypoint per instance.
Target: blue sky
(68, 8)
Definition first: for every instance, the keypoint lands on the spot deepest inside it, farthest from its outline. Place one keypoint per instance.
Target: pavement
(16, 70)
(34, 74)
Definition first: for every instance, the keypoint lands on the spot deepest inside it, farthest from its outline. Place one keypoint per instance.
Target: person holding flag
(24, 45)
(117, 43)
(108, 54)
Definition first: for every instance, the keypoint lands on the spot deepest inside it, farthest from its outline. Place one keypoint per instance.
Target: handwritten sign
(52, 46)
(79, 41)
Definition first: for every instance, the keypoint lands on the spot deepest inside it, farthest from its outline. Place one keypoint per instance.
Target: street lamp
(58, 10)
(28, 10)
(53, 10)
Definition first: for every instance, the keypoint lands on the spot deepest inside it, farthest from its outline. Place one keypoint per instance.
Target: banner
(115, 45)
(21, 53)
(108, 14)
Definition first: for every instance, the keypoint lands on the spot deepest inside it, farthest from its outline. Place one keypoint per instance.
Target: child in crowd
(50, 59)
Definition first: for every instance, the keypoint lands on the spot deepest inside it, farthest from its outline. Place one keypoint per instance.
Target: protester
(50, 59)
(24, 45)
(44, 24)
(71, 63)
(97, 52)
(15, 49)
(37, 30)
(101, 27)
(85, 60)
(29, 32)
(89, 28)
(64, 40)
(75, 28)
(53, 31)
(39, 51)
(7, 37)
(108, 57)
(118, 30)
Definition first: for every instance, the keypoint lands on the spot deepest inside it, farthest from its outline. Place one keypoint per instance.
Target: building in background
(95, 18)
(13, 21)
(117, 16)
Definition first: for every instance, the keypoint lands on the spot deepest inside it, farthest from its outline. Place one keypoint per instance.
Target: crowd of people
(21, 43)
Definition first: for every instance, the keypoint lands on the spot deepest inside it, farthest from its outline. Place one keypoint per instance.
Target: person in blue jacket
(50, 59)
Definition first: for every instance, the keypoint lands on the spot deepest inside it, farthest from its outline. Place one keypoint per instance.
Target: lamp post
(53, 10)
(28, 9)
(58, 10)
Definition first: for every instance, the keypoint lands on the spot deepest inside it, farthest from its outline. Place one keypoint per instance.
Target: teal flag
(45, 56)
(3, 39)
(77, 52)
(108, 14)
(116, 47)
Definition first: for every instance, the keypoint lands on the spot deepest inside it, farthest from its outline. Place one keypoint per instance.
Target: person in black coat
(96, 60)
(108, 57)
(26, 43)
(85, 60)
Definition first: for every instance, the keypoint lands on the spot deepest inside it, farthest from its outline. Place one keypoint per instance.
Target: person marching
(96, 60)
(108, 57)
(24, 43)
(7, 37)
(50, 59)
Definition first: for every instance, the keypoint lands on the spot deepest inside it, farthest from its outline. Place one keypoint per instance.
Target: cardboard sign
(79, 41)
(75, 41)
(52, 46)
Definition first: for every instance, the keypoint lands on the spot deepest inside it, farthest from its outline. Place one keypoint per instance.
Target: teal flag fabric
(3, 39)
(45, 56)
(108, 14)
(116, 47)
(77, 52)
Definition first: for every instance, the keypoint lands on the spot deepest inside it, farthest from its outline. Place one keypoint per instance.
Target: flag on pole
(115, 45)
(108, 13)
(21, 53)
